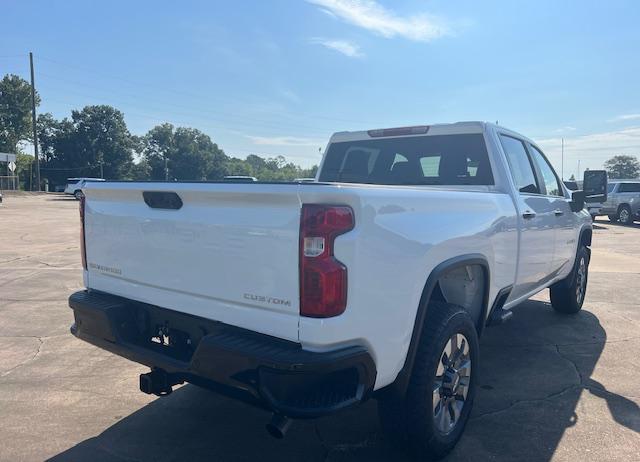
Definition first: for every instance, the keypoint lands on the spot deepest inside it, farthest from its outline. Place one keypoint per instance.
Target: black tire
(624, 215)
(78, 194)
(565, 297)
(613, 218)
(413, 419)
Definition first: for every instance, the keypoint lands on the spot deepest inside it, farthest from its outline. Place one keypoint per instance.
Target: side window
(629, 187)
(521, 168)
(549, 178)
(611, 187)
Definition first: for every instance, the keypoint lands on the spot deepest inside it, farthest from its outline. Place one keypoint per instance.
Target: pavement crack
(527, 401)
(28, 360)
(575, 366)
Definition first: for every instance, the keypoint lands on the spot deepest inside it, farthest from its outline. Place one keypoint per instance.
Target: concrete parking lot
(551, 387)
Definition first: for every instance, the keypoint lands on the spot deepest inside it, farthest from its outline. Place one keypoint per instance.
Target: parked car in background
(240, 179)
(75, 185)
(623, 201)
(594, 208)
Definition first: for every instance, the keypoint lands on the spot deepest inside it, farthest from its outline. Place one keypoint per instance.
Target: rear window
(72, 181)
(415, 160)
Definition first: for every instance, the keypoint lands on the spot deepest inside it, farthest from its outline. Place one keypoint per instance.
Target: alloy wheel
(624, 216)
(581, 280)
(451, 385)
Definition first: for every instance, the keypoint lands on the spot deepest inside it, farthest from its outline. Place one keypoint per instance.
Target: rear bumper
(266, 371)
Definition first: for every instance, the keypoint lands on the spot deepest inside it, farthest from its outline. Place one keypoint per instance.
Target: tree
(622, 167)
(157, 149)
(187, 154)
(24, 165)
(94, 141)
(572, 177)
(15, 112)
(101, 141)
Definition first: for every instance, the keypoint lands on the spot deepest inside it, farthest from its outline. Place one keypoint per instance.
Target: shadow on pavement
(533, 372)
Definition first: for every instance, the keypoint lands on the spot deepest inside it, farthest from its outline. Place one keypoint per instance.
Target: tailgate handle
(168, 200)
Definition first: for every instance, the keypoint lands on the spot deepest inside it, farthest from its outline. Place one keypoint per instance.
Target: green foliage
(15, 112)
(24, 164)
(623, 167)
(270, 169)
(95, 141)
(182, 154)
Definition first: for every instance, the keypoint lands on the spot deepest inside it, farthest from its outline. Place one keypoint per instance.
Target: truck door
(536, 220)
(564, 219)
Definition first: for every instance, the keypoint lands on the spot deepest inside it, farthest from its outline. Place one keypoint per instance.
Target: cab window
(521, 168)
(549, 178)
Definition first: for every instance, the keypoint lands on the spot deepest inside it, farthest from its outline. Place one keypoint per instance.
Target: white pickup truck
(373, 282)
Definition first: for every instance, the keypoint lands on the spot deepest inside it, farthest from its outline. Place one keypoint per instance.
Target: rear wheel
(432, 415)
(624, 215)
(78, 194)
(567, 296)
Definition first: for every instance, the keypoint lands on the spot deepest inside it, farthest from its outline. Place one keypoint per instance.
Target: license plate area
(167, 332)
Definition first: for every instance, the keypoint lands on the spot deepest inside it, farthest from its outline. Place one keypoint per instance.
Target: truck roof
(433, 129)
(455, 128)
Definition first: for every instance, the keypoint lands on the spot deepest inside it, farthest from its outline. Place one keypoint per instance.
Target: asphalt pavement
(552, 387)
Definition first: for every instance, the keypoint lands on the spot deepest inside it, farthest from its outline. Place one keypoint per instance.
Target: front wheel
(432, 415)
(624, 215)
(567, 296)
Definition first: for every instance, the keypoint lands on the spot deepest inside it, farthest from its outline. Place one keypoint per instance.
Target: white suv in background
(75, 185)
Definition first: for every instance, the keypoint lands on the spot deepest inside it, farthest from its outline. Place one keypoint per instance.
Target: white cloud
(349, 49)
(592, 150)
(566, 129)
(285, 141)
(624, 117)
(375, 18)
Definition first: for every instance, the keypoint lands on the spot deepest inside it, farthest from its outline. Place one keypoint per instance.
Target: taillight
(323, 278)
(83, 249)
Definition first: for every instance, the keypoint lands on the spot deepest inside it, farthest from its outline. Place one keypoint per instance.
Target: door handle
(558, 213)
(528, 214)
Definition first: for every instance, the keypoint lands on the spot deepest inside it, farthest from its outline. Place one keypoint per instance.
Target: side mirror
(577, 201)
(594, 185)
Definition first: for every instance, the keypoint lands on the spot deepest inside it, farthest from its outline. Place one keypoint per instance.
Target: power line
(145, 85)
(226, 119)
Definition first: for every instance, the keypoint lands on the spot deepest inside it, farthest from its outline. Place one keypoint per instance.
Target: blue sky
(278, 77)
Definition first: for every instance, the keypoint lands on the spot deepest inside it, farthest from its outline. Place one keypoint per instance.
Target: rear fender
(400, 385)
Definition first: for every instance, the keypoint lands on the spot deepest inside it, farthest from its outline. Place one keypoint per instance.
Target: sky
(278, 77)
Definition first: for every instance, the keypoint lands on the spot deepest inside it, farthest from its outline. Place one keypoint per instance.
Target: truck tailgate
(229, 253)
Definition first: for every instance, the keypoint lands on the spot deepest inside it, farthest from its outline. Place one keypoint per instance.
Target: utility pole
(35, 129)
(166, 168)
(562, 164)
